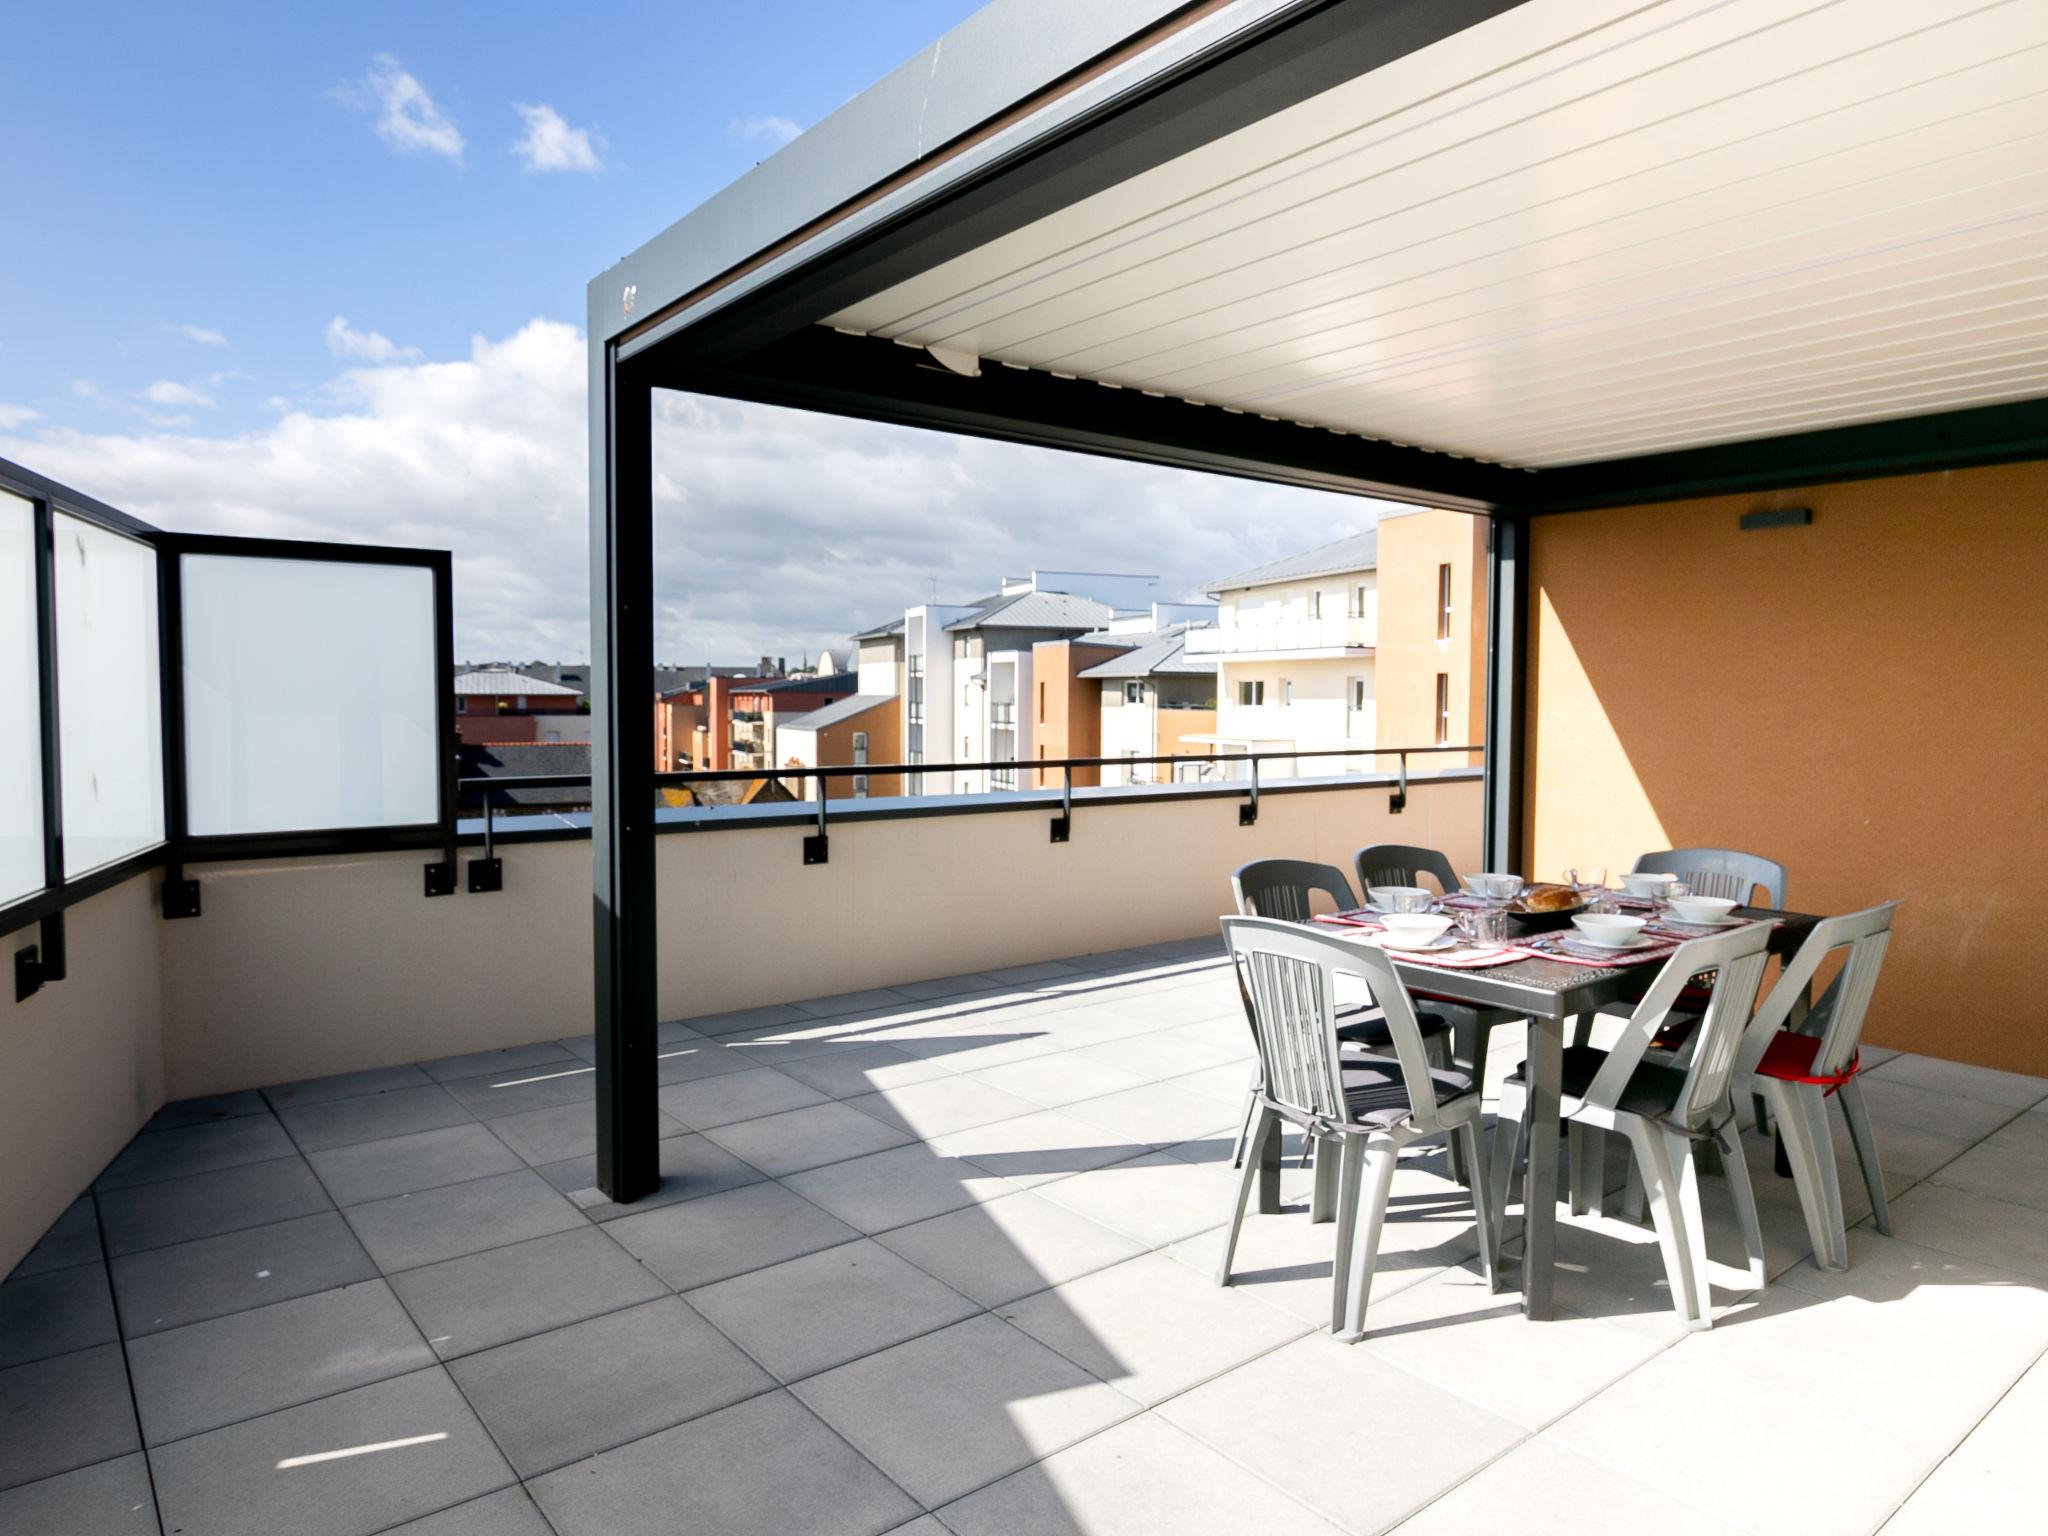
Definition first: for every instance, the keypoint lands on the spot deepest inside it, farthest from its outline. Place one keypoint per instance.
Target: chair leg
(1816, 1144)
(1264, 1124)
(1482, 1202)
(1378, 1182)
(1351, 1169)
(1251, 1104)
(1736, 1167)
(1857, 1113)
(1634, 1205)
(1587, 1149)
(1685, 1164)
(1322, 1200)
(1761, 1106)
(1667, 1212)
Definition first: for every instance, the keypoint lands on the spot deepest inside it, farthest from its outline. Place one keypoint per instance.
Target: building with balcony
(1155, 700)
(499, 704)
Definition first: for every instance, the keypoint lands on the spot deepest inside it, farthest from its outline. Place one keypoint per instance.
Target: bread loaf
(1549, 898)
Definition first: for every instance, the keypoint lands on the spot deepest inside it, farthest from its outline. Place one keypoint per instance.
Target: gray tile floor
(939, 1260)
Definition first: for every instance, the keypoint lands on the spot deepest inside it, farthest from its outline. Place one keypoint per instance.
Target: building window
(860, 757)
(1359, 596)
(1251, 694)
(1002, 721)
(1443, 708)
(462, 706)
(1134, 691)
(1443, 602)
(913, 719)
(1357, 703)
(1286, 690)
(1041, 703)
(1315, 605)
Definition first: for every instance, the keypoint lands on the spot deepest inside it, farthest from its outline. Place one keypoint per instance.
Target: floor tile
(1958, 1221)
(561, 1131)
(401, 1165)
(1423, 1440)
(946, 1413)
(1037, 1149)
(1927, 1109)
(1542, 1489)
(200, 1377)
(1139, 1478)
(1154, 1058)
(109, 1498)
(2010, 1089)
(717, 1024)
(486, 1299)
(372, 1117)
(55, 1313)
(728, 1234)
(1958, 1497)
(942, 987)
(2000, 1173)
(73, 1238)
(2026, 1133)
(510, 1512)
(941, 1106)
(203, 1111)
(161, 1155)
(690, 1167)
(844, 1072)
(697, 1058)
(1051, 1081)
(190, 1282)
(543, 1087)
(65, 1412)
(996, 1252)
(1157, 1198)
(735, 1096)
(510, 1060)
(561, 1396)
(713, 1468)
(407, 1447)
(1152, 1327)
(407, 1231)
(345, 1085)
(204, 1204)
(1157, 1113)
(810, 1314)
(840, 1003)
(806, 1138)
(896, 1187)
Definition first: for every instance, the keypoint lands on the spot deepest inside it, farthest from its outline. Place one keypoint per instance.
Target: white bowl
(1700, 909)
(1612, 929)
(1648, 887)
(1385, 897)
(1413, 930)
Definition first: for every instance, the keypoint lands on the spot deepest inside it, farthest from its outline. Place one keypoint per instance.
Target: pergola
(1515, 259)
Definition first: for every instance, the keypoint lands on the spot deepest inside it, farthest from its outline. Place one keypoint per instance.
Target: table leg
(1269, 1168)
(1539, 1178)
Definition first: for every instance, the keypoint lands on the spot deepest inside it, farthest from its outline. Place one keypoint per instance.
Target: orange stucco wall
(1408, 655)
(1066, 711)
(1864, 700)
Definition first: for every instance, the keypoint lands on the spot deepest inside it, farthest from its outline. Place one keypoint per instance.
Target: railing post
(1399, 802)
(1248, 813)
(1063, 824)
(818, 847)
(487, 873)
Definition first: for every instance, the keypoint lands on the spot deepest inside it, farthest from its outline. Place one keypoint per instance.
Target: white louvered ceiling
(1582, 230)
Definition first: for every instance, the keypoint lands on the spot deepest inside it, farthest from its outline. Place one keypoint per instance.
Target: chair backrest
(1838, 1017)
(1280, 888)
(1719, 872)
(1289, 974)
(1735, 960)
(1399, 864)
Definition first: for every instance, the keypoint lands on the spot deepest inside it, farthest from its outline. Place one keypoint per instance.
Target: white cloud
(772, 131)
(171, 392)
(407, 117)
(779, 532)
(550, 144)
(206, 336)
(12, 416)
(344, 340)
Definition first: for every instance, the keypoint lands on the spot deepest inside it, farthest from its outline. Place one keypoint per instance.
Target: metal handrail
(815, 845)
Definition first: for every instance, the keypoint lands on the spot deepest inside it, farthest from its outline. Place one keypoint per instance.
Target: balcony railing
(1346, 633)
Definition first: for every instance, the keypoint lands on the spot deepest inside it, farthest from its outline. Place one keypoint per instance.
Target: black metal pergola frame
(749, 331)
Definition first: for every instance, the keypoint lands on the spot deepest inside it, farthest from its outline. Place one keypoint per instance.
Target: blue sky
(287, 270)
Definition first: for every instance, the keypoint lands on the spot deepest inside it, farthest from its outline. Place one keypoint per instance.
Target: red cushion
(1789, 1057)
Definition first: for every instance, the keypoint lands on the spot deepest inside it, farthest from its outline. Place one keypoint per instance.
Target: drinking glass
(1483, 925)
(1676, 888)
(1409, 901)
(1589, 881)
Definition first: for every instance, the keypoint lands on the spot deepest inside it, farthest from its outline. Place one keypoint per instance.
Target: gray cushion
(1378, 1094)
(1653, 1091)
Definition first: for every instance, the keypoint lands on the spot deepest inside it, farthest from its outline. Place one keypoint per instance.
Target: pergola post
(1507, 621)
(622, 772)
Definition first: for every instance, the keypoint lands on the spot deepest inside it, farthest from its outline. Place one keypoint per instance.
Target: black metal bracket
(441, 877)
(180, 894)
(1398, 801)
(1063, 824)
(486, 875)
(1062, 828)
(28, 973)
(818, 847)
(40, 962)
(1248, 813)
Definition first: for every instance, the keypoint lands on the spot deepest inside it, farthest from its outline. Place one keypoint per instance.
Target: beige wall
(1409, 656)
(81, 1062)
(1862, 700)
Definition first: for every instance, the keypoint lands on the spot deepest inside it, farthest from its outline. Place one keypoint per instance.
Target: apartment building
(1156, 700)
(500, 705)
(1370, 641)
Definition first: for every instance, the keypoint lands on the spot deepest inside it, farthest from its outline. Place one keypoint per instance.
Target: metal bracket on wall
(1398, 801)
(28, 973)
(1063, 824)
(486, 875)
(817, 847)
(1248, 813)
(40, 962)
(180, 894)
(441, 877)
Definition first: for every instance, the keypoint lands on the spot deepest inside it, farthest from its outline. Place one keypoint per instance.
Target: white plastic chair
(1363, 1109)
(1797, 1066)
(1664, 1111)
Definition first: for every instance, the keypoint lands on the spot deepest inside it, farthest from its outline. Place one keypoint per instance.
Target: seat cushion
(1790, 1057)
(1653, 1091)
(1378, 1094)
(1367, 1026)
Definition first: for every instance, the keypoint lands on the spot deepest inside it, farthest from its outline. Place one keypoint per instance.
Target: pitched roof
(1358, 552)
(851, 707)
(880, 631)
(1161, 653)
(1037, 610)
(527, 759)
(503, 682)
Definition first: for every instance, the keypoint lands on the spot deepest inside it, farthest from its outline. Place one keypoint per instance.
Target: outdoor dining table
(1546, 992)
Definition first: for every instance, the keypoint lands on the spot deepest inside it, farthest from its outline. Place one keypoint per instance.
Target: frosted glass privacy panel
(310, 695)
(109, 712)
(21, 736)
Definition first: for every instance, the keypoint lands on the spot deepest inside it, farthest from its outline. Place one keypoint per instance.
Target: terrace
(908, 1220)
